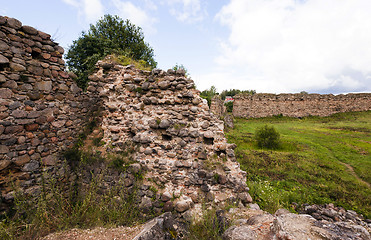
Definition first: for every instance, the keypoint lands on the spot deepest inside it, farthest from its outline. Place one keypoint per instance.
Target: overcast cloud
(90, 10)
(186, 10)
(291, 45)
(137, 15)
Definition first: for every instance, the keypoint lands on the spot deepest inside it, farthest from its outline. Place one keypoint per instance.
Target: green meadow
(319, 160)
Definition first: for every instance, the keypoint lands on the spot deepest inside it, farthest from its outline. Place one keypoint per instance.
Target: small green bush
(229, 106)
(267, 137)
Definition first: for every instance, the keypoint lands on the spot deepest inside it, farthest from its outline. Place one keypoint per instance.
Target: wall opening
(166, 137)
(36, 55)
(209, 141)
(3, 66)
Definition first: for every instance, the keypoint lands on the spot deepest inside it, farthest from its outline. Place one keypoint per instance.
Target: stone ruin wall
(41, 108)
(181, 145)
(217, 106)
(299, 105)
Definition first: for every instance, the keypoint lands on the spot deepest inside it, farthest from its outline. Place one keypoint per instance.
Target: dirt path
(350, 168)
(120, 233)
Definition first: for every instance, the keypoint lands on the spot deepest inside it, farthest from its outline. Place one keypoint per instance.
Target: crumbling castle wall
(41, 109)
(180, 143)
(299, 105)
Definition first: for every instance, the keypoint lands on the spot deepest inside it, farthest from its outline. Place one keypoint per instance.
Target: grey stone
(127, 77)
(63, 87)
(146, 86)
(21, 160)
(168, 206)
(182, 206)
(44, 86)
(29, 30)
(17, 67)
(31, 166)
(164, 85)
(240, 233)
(2, 78)
(281, 211)
(50, 160)
(19, 114)
(245, 197)
(3, 46)
(164, 123)
(254, 206)
(153, 123)
(208, 134)
(166, 196)
(17, 50)
(5, 93)
(35, 70)
(146, 204)
(14, 23)
(15, 105)
(3, 60)
(59, 124)
(131, 87)
(135, 168)
(4, 164)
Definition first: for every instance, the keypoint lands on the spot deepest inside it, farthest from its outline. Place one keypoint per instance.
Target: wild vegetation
(64, 202)
(319, 160)
(110, 35)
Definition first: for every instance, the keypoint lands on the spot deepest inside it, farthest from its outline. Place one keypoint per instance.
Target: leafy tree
(110, 35)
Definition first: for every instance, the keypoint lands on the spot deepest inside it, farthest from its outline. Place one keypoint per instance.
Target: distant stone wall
(41, 108)
(299, 105)
(217, 106)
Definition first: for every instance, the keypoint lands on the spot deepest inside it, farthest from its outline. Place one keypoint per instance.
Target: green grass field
(320, 160)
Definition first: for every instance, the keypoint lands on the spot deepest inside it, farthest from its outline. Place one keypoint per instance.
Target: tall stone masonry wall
(41, 108)
(181, 144)
(299, 105)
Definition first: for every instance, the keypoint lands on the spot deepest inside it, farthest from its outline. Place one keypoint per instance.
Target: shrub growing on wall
(229, 106)
(267, 137)
(110, 35)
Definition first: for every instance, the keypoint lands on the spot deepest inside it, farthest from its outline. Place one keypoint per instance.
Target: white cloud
(291, 45)
(137, 15)
(91, 10)
(186, 10)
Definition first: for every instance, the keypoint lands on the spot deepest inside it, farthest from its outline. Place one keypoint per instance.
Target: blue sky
(319, 46)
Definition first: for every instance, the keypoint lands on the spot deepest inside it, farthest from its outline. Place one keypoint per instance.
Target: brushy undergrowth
(319, 160)
(73, 200)
(210, 226)
(60, 207)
